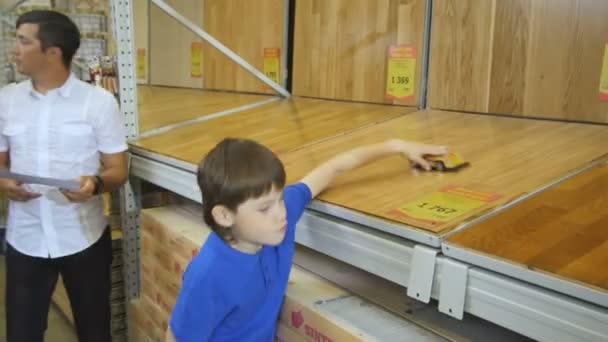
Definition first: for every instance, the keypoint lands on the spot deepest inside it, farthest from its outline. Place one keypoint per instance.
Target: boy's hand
(418, 152)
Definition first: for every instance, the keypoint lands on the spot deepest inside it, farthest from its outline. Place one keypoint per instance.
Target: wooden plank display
(247, 28)
(173, 48)
(509, 157)
(540, 58)
(341, 48)
(282, 126)
(562, 231)
(161, 106)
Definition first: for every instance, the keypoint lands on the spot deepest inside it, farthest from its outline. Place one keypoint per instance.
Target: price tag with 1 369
(401, 69)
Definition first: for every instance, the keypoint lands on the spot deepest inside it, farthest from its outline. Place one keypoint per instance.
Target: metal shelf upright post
(130, 194)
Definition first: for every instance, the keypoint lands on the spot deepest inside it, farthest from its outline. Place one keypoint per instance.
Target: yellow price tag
(272, 65)
(446, 205)
(604, 76)
(141, 64)
(401, 72)
(196, 58)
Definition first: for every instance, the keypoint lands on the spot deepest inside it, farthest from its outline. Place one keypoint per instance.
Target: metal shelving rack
(130, 194)
(413, 260)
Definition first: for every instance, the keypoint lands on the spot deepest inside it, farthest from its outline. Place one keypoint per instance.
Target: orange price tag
(196, 58)
(401, 72)
(141, 64)
(445, 205)
(272, 65)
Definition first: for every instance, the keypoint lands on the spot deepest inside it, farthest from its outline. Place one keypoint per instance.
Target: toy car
(449, 162)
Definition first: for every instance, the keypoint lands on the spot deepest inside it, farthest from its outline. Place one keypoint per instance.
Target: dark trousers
(30, 282)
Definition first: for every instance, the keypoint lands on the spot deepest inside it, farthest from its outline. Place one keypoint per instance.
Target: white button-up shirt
(58, 135)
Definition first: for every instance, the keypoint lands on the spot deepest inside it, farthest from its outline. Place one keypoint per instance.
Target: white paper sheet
(58, 183)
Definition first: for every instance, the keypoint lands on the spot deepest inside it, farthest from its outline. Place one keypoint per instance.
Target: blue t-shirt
(228, 295)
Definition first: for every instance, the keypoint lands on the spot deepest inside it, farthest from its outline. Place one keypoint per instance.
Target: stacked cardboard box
(117, 295)
(322, 311)
(170, 237)
(314, 309)
(285, 334)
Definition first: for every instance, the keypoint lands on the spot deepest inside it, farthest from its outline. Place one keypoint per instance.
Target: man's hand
(417, 153)
(87, 187)
(15, 192)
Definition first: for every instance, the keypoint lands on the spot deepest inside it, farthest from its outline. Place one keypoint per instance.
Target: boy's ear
(223, 216)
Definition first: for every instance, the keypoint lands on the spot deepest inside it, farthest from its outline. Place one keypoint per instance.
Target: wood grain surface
(563, 231)
(282, 126)
(460, 54)
(161, 106)
(170, 42)
(340, 46)
(508, 156)
(540, 58)
(246, 27)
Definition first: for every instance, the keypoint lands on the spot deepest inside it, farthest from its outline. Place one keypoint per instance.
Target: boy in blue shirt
(233, 289)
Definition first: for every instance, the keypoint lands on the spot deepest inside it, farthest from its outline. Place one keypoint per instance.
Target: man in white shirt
(57, 126)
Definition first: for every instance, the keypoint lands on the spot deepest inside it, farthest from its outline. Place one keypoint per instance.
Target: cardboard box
(179, 229)
(142, 327)
(159, 283)
(300, 313)
(138, 335)
(156, 252)
(286, 334)
(159, 295)
(163, 300)
(171, 237)
(159, 318)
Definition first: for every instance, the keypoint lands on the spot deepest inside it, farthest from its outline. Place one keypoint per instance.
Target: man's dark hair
(234, 171)
(54, 30)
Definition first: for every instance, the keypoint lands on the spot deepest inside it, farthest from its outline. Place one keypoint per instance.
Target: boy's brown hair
(234, 171)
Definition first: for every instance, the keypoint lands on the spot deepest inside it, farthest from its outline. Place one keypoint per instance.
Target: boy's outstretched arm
(320, 178)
